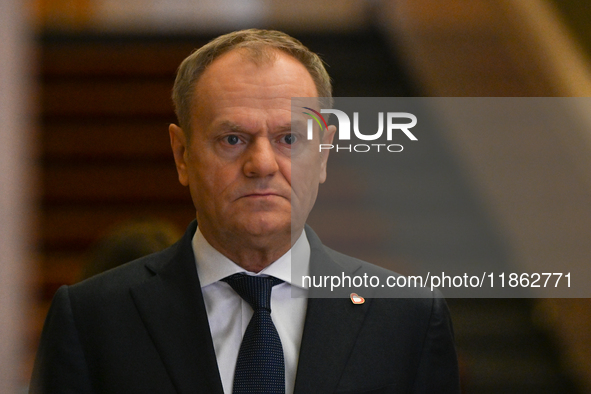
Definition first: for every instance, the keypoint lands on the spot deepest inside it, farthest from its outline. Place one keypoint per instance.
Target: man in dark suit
(179, 321)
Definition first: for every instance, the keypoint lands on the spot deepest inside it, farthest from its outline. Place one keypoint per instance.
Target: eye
(289, 139)
(232, 139)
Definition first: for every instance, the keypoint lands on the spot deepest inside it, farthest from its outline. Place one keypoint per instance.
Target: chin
(268, 226)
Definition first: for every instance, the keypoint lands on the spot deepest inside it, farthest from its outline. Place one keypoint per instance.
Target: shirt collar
(212, 266)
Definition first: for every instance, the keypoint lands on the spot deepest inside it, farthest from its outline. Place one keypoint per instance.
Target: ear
(178, 142)
(326, 139)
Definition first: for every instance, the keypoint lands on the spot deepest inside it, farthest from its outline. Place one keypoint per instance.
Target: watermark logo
(316, 116)
(393, 125)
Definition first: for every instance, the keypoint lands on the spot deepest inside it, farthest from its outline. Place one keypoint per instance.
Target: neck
(255, 260)
(253, 253)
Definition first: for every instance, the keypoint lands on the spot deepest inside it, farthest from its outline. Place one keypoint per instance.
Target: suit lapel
(171, 306)
(329, 335)
(330, 329)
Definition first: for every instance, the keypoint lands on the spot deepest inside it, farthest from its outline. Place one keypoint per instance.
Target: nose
(261, 160)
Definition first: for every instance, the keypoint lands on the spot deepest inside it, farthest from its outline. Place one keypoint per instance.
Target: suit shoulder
(387, 278)
(123, 277)
(345, 260)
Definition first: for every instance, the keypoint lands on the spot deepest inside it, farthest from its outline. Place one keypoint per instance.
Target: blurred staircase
(503, 349)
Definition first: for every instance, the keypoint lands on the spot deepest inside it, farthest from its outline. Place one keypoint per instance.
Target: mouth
(262, 195)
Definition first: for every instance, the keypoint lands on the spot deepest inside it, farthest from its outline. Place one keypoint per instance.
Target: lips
(263, 194)
(261, 197)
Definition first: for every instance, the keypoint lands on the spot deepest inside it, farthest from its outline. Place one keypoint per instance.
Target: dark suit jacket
(143, 328)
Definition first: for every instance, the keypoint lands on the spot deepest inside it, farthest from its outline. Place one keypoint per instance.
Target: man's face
(237, 162)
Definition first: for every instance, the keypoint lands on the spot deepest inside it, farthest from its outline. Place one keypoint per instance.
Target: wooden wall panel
(145, 138)
(105, 108)
(105, 153)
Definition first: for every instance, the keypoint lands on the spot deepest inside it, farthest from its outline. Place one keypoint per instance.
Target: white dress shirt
(229, 314)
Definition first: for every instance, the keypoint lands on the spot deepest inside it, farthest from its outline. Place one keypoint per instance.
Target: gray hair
(260, 46)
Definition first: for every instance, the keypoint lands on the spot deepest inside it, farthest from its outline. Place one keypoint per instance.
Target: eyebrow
(239, 129)
(297, 123)
(232, 126)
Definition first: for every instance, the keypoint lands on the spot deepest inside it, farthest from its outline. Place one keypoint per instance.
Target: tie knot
(256, 290)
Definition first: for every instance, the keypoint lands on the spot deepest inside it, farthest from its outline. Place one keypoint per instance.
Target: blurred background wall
(17, 189)
(104, 70)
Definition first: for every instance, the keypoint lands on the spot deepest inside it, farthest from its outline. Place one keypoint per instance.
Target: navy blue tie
(260, 367)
